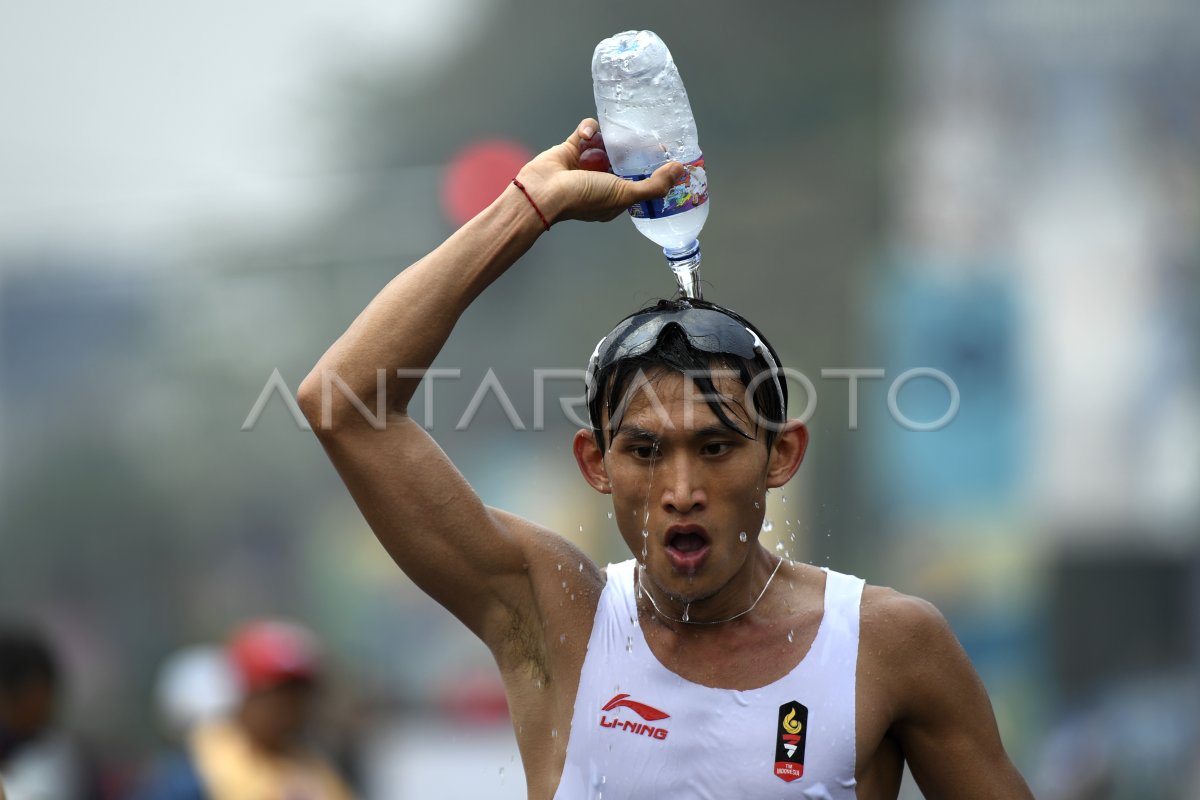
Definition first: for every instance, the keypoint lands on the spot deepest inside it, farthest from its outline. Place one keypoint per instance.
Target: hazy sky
(125, 121)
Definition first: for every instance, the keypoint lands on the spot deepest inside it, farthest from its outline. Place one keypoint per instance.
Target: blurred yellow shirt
(231, 768)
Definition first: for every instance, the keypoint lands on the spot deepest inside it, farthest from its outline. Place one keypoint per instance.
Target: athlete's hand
(571, 180)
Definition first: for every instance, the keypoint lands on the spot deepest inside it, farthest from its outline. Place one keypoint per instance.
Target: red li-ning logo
(789, 742)
(648, 713)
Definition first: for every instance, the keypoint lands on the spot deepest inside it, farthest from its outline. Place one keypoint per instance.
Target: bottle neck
(685, 263)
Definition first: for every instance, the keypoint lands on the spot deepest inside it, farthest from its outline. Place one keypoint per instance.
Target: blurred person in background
(37, 759)
(260, 748)
(195, 684)
(701, 698)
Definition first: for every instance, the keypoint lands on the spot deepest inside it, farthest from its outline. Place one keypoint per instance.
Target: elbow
(326, 409)
(330, 406)
(313, 405)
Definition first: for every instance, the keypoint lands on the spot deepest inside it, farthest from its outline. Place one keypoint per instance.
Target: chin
(686, 588)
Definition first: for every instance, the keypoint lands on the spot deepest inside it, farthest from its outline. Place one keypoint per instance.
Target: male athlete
(706, 666)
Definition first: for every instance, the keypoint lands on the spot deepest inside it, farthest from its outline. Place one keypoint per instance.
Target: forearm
(408, 322)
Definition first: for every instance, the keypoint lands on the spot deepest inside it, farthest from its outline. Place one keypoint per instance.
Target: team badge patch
(789, 741)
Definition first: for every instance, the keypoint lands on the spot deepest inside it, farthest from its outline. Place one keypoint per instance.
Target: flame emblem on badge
(790, 724)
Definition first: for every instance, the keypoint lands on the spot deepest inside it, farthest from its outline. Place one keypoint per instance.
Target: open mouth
(687, 542)
(687, 547)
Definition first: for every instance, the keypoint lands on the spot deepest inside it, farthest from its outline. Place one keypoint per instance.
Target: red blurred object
(478, 174)
(266, 653)
(475, 698)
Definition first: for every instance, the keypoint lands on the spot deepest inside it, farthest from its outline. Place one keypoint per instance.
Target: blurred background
(197, 198)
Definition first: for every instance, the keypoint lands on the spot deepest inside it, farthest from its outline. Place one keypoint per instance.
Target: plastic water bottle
(647, 121)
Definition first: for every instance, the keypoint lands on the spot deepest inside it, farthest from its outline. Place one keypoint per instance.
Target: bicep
(946, 725)
(433, 524)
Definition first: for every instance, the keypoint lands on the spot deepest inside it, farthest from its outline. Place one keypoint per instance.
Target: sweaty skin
(671, 466)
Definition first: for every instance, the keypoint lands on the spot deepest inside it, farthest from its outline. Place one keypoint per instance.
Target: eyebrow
(714, 430)
(635, 432)
(638, 433)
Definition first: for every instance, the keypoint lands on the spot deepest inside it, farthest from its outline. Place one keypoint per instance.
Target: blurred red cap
(266, 653)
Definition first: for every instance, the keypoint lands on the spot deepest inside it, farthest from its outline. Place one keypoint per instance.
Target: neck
(736, 601)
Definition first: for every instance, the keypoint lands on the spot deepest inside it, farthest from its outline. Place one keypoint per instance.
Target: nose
(683, 489)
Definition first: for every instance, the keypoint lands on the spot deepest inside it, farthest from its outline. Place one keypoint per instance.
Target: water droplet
(610, 515)
(560, 567)
(581, 529)
(604, 779)
(685, 611)
(768, 525)
(502, 774)
(565, 583)
(645, 533)
(783, 499)
(791, 636)
(742, 537)
(787, 522)
(562, 637)
(757, 504)
(581, 566)
(554, 733)
(779, 547)
(629, 644)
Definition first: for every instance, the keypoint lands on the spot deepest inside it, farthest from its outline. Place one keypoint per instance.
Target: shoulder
(550, 558)
(908, 632)
(892, 617)
(908, 640)
(885, 599)
(925, 691)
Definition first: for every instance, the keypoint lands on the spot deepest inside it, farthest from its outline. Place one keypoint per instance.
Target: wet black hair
(674, 353)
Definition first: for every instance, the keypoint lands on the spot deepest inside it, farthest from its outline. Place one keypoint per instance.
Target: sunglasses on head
(707, 330)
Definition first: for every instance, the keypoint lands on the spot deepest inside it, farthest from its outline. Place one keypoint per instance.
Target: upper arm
(472, 560)
(942, 716)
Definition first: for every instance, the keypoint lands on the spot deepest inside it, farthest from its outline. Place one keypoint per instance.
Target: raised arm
(943, 719)
(471, 559)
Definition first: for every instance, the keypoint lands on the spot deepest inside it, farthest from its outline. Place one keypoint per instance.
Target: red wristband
(525, 192)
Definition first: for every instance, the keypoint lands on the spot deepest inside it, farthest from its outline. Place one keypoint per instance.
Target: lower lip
(688, 562)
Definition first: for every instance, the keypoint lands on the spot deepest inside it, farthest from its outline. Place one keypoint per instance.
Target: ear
(786, 453)
(591, 461)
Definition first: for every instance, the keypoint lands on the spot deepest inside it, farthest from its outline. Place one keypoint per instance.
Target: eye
(715, 448)
(645, 451)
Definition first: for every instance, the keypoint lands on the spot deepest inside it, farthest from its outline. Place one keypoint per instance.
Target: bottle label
(688, 192)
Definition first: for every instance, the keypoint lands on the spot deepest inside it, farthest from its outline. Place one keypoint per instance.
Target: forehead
(662, 398)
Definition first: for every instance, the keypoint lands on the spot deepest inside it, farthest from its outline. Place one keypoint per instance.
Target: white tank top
(641, 731)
